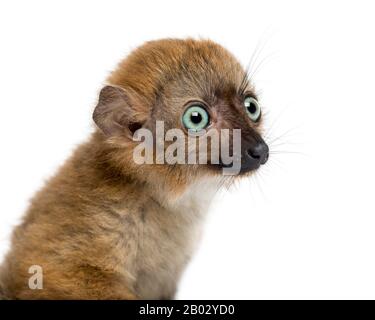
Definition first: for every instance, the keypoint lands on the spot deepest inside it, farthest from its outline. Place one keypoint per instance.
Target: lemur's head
(190, 88)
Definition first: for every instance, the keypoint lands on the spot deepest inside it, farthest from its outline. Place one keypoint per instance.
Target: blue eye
(195, 118)
(252, 108)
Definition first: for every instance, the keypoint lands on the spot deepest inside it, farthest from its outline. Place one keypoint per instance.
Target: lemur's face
(220, 105)
(190, 89)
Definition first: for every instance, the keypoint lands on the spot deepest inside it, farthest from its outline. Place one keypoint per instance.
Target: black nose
(254, 154)
(259, 152)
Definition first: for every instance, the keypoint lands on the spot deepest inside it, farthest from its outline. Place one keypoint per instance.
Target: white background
(304, 227)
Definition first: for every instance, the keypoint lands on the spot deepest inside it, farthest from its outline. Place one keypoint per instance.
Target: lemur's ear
(114, 113)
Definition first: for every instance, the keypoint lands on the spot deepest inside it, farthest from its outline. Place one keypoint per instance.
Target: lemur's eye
(195, 118)
(252, 108)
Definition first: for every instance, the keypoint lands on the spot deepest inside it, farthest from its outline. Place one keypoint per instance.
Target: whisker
(287, 152)
(261, 64)
(283, 143)
(253, 64)
(277, 162)
(271, 128)
(283, 135)
(259, 180)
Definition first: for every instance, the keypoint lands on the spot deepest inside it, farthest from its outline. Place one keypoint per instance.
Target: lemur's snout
(259, 152)
(255, 154)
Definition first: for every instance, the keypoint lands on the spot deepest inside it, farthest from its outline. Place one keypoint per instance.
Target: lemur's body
(106, 228)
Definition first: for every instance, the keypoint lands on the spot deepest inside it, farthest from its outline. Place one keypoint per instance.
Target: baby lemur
(107, 227)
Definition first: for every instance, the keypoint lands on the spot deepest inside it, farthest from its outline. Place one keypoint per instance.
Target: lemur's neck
(195, 199)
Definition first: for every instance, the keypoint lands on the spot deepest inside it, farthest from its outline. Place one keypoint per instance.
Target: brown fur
(106, 228)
